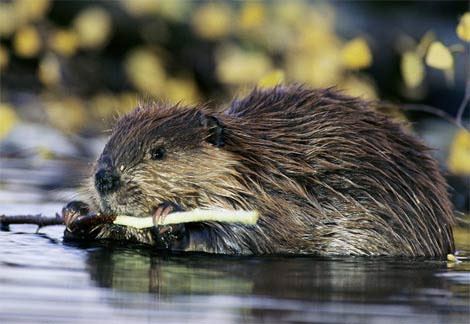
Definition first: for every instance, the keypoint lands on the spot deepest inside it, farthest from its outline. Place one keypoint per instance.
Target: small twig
(41, 221)
(38, 220)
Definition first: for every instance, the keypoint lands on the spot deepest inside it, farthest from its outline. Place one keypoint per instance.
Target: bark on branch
(41, 221)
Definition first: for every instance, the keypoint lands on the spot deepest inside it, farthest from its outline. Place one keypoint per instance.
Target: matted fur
(328, 174)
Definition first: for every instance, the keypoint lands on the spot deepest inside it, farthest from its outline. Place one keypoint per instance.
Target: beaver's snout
(107, 181)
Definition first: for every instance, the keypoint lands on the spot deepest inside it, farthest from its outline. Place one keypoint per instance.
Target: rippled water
(44, 280)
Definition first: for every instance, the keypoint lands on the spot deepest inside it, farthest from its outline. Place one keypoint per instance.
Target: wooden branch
(92, 220)
(41, 221)
(195, 215)
(38, 220)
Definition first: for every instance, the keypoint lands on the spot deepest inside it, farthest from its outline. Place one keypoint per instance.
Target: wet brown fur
(328, 174)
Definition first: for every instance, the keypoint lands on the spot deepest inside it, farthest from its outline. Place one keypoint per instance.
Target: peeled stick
(195, 215)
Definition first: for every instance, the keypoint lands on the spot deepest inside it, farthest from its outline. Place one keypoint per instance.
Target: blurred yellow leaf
(8, 119)
(31, 10)
(174, 9)
(140, 7)
(459, 154)
(271, 79)
(212, 20)
(462, 235)
(93, 26)
(127, 101)
(428, 38)
(235, 66)
(412, 69)
(49, 70)
(104, 106)
(439, 57)
(64, 42)
(4, 57)
(67, 114)
(356, 54)
(290, 12)
(8, 21)
(314, 38)
(358, 87)
(252, 15)
(27, 42)
(145, 70)
(181, 90)
(463, 28)
(319, 69)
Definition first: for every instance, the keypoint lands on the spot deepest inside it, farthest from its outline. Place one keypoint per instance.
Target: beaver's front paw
(74, 211)
(167, 236)
(80, 222)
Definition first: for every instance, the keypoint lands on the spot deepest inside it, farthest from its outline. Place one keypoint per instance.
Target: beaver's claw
(167, 234)
(73, 211)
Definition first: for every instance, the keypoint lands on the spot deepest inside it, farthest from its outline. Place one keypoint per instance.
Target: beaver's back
(332, 176)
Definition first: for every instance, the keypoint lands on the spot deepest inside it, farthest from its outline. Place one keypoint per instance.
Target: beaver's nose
(106, 181)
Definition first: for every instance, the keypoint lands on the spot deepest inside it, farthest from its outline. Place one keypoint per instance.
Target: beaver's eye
(157, 153)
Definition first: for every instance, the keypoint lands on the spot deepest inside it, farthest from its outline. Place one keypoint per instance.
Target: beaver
(328, 174)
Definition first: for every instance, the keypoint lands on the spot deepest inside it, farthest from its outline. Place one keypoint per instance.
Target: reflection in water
(41, 279)
(342, 288)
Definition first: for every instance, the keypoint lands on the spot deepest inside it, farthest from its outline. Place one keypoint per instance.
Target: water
(44, 280)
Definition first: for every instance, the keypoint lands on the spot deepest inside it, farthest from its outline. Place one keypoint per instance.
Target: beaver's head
(157, 155)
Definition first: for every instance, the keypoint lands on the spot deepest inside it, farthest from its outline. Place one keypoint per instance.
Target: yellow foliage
(67, 114)
(140, 7)
(4, 58)
(439, 57)
(459, 154)
(181, 90)
(235, 66)
(64, 42)
(127, 101)
(20, 12)
(27, 42)
(321, 69)
(356, 54)
(8, 119)
(314, 38)
(271, 79)
(145, 70)
(462, 237)
(8, 21)
(412, 69)
(212, 20)
(252, 15)
(359, 87)
(31, 10)
(290, 12)
(103, 106)
(49, 70)
(463, 28)
(174, 9)
(428, 38)
(93, 27)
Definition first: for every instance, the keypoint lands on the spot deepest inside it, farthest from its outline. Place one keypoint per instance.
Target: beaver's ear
(214, 128)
